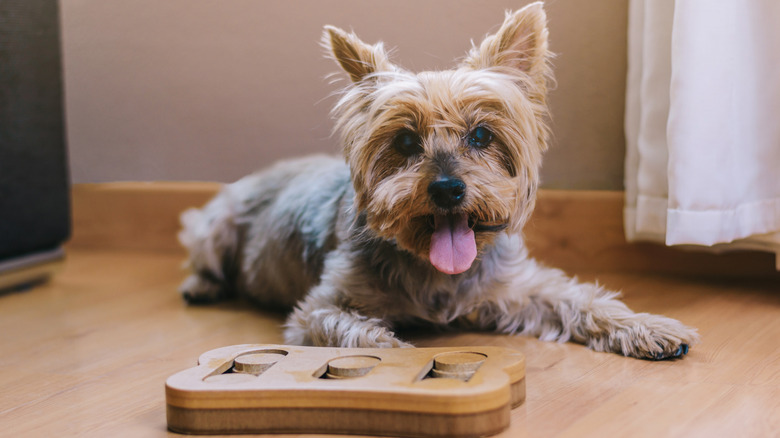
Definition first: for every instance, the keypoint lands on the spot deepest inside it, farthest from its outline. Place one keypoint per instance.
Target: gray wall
(212, 90)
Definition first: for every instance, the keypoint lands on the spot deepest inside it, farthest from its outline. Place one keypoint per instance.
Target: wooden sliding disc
(465, 375)
(458, 362)
(351, 366)
(256, 363)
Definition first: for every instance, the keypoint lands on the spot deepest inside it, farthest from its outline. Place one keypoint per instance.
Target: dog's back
(265, 236)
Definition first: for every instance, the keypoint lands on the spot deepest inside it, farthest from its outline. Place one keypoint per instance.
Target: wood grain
(572, 230)
(388, 388)
(88, 355)
(343, 421)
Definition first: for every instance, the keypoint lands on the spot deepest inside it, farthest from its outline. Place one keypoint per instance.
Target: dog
(420, 222)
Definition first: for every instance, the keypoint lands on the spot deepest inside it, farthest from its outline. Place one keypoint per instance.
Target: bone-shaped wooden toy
(436, 392)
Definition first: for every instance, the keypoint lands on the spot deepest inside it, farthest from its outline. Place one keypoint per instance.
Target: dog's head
(443, 161)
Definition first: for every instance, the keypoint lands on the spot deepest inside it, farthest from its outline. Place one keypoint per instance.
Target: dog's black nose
(447, 192)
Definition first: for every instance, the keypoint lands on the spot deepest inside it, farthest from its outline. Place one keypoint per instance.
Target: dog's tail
(210, 235)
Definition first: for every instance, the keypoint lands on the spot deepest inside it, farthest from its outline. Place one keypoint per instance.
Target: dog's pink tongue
(453, 248)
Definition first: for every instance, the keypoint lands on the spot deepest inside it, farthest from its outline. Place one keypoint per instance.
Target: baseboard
(583, 230)
(570, 229)
(142, 215)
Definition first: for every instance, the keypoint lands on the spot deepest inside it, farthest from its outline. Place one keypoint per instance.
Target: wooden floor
(88, 355)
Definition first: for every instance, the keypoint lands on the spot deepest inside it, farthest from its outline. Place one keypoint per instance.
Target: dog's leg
(332, 326)
(335, 327)
(544, 302)
(327, 315)
(211, 236)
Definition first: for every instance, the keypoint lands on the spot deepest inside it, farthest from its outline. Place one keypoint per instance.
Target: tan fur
(349, 245)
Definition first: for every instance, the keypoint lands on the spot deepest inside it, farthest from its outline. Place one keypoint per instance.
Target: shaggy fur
(422, 224)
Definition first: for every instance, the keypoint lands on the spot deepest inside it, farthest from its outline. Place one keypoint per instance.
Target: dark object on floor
(34, 189)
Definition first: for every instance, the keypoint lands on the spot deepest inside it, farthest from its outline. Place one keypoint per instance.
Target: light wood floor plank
(88, 355)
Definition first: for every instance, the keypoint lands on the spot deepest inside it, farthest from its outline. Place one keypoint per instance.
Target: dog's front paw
(646, 336)
(394, 343)
(373, 337)
(390, 343)
(336, 327)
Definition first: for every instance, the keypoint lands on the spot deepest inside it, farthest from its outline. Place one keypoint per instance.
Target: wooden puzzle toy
(430, 392)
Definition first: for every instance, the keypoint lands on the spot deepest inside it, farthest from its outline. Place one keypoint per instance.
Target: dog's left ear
(357, 58)
(520, 43)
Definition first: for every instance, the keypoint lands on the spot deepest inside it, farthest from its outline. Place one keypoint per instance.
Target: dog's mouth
(453, 241)
(492, 227)
(476, 225)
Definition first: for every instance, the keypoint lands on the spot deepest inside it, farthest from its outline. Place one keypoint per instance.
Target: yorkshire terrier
(422, 224)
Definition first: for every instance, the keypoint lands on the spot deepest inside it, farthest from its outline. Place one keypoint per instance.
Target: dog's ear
(357, 58)
(520, 43)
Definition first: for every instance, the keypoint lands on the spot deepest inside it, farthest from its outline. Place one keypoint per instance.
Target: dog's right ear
(358, 59)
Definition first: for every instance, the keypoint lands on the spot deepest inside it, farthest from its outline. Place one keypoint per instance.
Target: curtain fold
(703, 124)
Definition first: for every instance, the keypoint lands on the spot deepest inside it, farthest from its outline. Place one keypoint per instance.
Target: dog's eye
(408, 143)
(480, 137)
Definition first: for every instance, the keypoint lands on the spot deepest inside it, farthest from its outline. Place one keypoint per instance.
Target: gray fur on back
(288, 227)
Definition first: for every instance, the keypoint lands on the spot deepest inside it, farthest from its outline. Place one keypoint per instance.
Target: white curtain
(703, 123)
